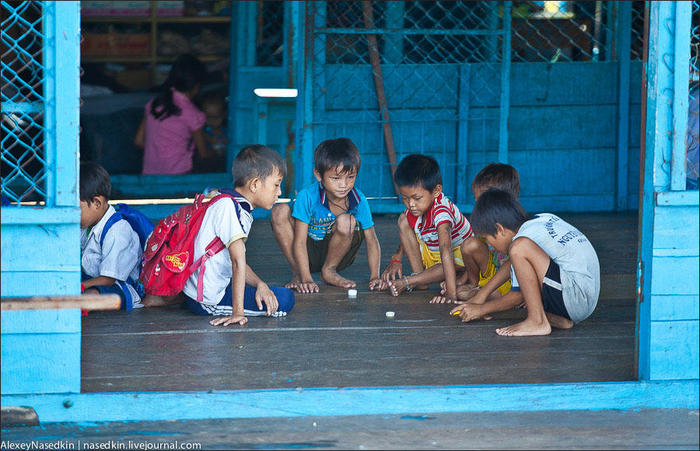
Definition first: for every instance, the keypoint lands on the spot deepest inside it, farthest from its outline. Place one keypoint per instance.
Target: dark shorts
(118, 288)
(122, 291)
(552, 299)
(318, 250)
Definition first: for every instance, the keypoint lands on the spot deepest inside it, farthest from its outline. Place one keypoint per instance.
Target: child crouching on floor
(109, 264)
(432, 230)
(552, 263)
(231, 289)
(504, 177)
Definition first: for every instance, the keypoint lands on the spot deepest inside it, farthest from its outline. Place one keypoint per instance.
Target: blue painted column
(393, 48)
(233, 65)
(462, 183)
(668, 249)
(624, 31)
(312, 52)
(505, 85)
(62, 93)
(681, 69)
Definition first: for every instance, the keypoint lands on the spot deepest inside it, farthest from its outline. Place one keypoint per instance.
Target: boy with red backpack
(200, 249)
(111, 240)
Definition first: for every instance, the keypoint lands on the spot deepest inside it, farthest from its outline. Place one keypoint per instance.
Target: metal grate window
(429, 32)
(572, 30)
(269, 40)
(24, 166)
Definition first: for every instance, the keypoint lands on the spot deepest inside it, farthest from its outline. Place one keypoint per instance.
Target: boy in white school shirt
(109, 263)
(230, 288)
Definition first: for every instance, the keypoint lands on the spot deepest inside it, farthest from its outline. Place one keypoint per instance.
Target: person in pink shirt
(172, 125)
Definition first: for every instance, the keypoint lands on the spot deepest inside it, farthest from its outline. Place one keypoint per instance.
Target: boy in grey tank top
(554, 267)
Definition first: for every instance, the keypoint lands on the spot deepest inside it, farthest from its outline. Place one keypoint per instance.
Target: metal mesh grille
(443, 71)
(411, 32)
(269, 33)
(407, 33)
(24, 168)
(572, 31)
(422, 47)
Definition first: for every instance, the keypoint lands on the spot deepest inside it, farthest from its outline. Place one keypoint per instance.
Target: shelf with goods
(135, 42)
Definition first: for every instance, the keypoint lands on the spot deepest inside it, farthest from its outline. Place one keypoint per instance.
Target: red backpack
(169, 251)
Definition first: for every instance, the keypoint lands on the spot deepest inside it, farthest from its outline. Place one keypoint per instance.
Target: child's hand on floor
(263, 294)
(392, 271)
(378, 284)
(469, 312)
(226, 320)
(442, 299)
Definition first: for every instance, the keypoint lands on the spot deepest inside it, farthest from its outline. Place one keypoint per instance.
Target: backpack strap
(212, 249)
(116, 217)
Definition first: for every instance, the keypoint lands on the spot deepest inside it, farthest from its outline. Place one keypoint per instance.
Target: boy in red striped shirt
(432, 230)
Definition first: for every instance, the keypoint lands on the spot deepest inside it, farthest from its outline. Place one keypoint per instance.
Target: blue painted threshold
(157, 406)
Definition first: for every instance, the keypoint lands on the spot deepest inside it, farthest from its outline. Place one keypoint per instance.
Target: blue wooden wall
(563, 131)
(673, 302)
(40, 351)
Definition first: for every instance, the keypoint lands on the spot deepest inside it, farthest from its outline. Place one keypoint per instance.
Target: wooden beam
(85, 302)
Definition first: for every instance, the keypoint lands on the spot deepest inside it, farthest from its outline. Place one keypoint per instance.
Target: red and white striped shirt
(442, 210)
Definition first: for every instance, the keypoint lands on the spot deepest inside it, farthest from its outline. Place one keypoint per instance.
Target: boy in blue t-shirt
(330, 218)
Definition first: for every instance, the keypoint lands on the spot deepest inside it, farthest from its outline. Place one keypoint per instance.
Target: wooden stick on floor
(368, 16)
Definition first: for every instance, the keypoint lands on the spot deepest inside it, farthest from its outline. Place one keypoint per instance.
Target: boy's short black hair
(338, 152)
(496, 206)
(498, 175)
(418, 170)
(256, 161)
(94, 181)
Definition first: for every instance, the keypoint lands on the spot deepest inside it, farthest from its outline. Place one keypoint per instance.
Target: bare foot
(333, 278)
(525, 329)
(466, 292)
(396, 287)
(559, 321)
(161, 301)
(292, 284)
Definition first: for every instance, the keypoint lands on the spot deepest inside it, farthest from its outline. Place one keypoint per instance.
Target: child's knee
(285, 299)
(345, 224)
(280, 213)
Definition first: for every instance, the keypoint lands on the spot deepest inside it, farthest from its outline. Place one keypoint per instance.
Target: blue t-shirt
(311, 207)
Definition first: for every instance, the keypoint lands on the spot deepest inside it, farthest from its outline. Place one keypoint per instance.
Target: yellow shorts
(432, 258)
(490, 272)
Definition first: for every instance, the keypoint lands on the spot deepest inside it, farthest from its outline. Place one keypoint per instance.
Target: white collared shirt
(118, 257)
(228, 223)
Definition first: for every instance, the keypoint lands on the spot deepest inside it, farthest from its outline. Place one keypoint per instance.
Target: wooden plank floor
(329, 340)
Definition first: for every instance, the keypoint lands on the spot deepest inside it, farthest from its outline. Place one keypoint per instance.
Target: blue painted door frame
(667, 279)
